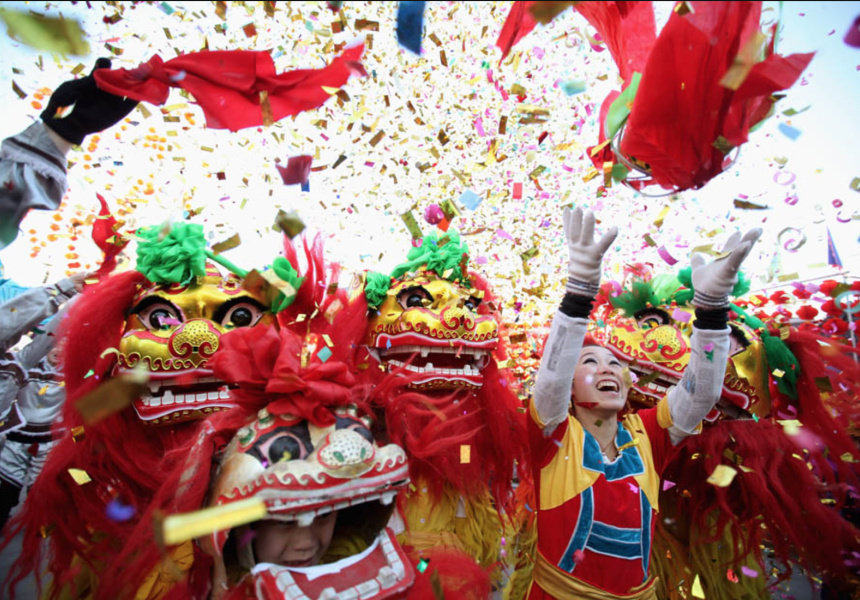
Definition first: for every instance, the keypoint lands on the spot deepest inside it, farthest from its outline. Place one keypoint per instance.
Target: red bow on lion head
(283, 372)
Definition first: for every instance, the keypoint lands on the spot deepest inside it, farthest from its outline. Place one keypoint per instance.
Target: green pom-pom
(376, 287)
(685, 276)
(444, 259)
(286, 273)
(780, 357)
(658, 291)
(742, 286)
(171, 254)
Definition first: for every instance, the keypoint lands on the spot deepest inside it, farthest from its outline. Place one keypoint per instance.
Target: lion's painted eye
(738, 341)
(157, 314)
(650, 318)
(414, 297)
(472, 303)
(239, 312)
(245, 314)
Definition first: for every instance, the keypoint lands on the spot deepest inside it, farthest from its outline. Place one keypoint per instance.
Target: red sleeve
(543, 448)
(661, 444)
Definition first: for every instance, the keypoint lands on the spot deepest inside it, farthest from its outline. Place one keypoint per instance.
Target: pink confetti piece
(683, 316)
(664, 254)
(749, 572)
(479, 126)
(784, 177)
(668, 485)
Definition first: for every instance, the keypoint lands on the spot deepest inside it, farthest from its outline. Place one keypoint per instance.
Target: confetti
(119, 512)
(112, 396)
(470, 199)
(788, 131)
(290, 223)
(15, 88)
(297, 170)
(465, 454)
(324, 354)
(60, 35)
(697, 591)
(410, 24)
(80, 476)
(232, 242)
(188, 526)
(722, 476)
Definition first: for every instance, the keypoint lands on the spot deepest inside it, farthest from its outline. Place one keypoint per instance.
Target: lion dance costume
(460, 422)
(781, 427)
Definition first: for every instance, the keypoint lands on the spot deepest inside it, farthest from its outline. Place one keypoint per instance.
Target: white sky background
(358, 207)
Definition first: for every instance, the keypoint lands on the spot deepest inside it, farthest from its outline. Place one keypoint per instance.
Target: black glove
(95, 110)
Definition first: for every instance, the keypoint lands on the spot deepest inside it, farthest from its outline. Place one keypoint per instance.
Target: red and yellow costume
(594, 519)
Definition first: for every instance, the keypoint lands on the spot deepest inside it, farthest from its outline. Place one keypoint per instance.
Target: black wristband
(576, 306)
(712, 318)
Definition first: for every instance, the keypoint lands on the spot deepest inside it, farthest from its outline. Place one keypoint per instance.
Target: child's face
(289, 545)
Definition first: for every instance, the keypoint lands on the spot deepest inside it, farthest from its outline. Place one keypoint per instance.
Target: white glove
(586, 256)
(714, 282)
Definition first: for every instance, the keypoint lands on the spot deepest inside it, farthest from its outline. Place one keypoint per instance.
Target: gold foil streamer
(188, 526)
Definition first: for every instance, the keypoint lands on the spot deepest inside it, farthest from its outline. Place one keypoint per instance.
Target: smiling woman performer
(597, 477)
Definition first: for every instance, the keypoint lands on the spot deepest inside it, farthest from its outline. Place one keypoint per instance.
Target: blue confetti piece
(166, 8)
(788, 131)
(306, 186)
(574, 86)
(119, 512)
(470, 199)
(324, 354)
(410, 24)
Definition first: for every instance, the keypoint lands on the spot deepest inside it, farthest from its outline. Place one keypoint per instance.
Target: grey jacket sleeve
(702, 384)
(557, 366)
(20, 314)
(32, 175)
(43, 341)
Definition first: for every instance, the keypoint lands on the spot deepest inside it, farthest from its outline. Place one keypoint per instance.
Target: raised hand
(714, 281)
(586, 255)
(94, 109)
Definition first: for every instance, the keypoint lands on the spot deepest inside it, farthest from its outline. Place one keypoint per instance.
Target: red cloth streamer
(107, 239)
(518, 25)
(298, 170)
(627, 28)
(229, 85)
(681, 109)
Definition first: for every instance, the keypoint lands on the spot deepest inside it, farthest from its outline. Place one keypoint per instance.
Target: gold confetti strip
(376, 138)
(465, 454)
(188, 526)
(722, 476)
(290, 223)
(744, 62)
(412, 225)
(112, 396)
(21, 93)
(80, 476)
(232, 242)
(266, 108)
